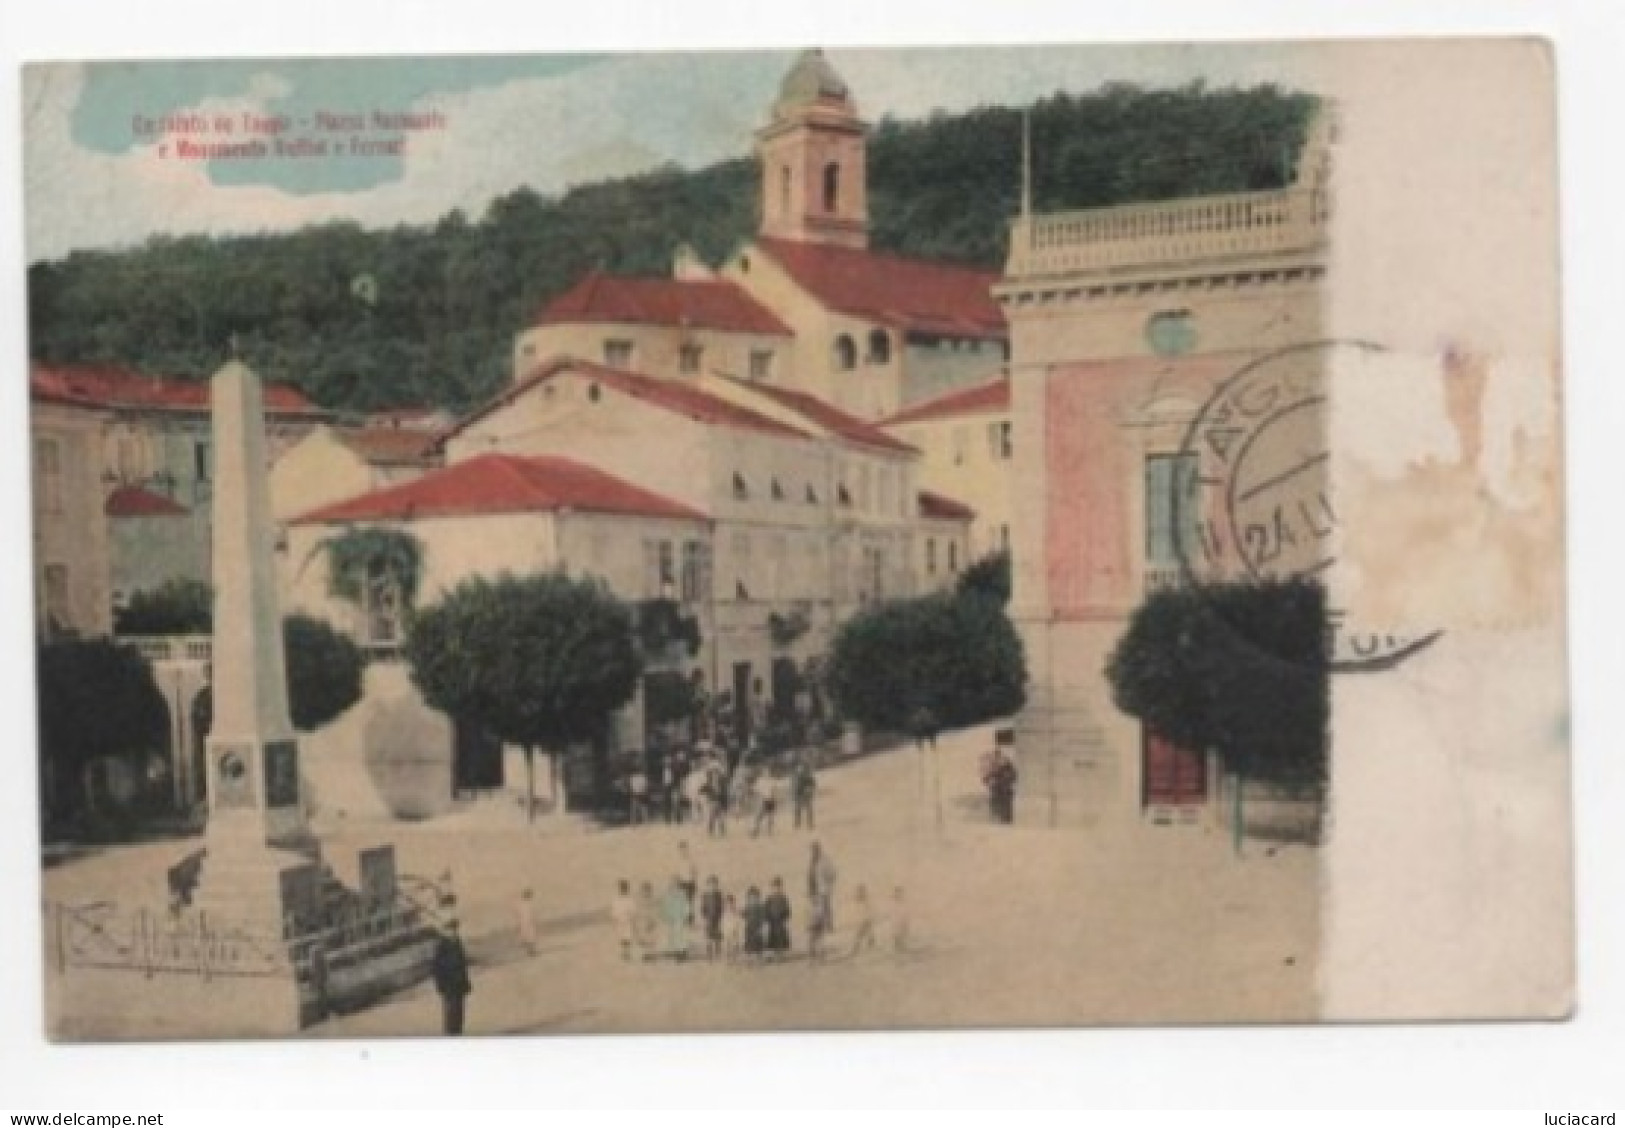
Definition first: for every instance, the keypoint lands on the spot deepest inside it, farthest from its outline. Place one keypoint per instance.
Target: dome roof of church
(810, 80)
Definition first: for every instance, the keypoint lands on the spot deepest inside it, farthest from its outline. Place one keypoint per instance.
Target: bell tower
(814, 180)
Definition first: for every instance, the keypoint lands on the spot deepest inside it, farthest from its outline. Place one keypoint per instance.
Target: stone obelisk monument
(257, 829)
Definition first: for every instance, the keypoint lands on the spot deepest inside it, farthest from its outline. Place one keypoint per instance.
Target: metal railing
(102, 934)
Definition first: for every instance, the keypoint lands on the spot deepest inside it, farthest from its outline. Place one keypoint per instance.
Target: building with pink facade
(1125, 322)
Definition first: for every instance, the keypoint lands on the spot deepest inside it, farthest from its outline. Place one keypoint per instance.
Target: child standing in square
(733, 928)
(623, 913)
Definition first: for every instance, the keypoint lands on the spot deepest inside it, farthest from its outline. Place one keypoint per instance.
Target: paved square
(1018, 925)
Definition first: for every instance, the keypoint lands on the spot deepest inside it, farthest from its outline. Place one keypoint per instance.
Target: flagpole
(1026, 162)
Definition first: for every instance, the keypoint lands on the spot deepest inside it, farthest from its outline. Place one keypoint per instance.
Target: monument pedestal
(298, 944)
(254, 888)
(261, 865)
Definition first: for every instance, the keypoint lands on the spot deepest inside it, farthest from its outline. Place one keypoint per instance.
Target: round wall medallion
(1171, 333)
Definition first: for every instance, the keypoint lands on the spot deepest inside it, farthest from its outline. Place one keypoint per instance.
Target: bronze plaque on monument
(234, 785)
(378, 881)
(281, 773)
(301, 897)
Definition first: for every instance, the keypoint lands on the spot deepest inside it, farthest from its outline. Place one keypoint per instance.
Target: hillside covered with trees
(367, 319)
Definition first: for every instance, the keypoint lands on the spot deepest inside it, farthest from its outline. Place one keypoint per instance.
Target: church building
(875, 332)
(806, 305)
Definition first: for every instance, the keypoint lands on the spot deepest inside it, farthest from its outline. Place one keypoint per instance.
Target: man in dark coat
(999, 775)
(777, 913)
(451, 981)
(803, 790)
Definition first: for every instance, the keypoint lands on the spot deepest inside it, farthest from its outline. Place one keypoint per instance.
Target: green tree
(957, 656)
(540, 661)
(175, 607)
(1239, 668)
(670, 697)
(97, 699)
(989, 578)
(324, 669)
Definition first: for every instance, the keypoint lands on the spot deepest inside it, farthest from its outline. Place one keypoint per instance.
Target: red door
(1173, 776)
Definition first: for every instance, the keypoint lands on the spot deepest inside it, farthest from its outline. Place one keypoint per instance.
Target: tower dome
(809, 81)
(814, 184)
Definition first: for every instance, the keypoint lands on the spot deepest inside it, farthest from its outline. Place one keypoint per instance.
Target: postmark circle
(1256, 502)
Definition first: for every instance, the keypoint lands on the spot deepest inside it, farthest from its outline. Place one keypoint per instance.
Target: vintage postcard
(810, 539)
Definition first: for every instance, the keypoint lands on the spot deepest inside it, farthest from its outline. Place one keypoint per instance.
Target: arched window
(879, 347)
(846, 353)
(832, 186)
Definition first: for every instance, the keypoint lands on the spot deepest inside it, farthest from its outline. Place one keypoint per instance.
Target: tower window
(784, 190)
(879, 347)
(846, 353)
(832, 187)
(998, 441)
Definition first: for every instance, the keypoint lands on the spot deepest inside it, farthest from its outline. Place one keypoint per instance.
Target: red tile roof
(390, 446)
(992, 396)
(502, 483)
(409, 418)
(829, 417)
(105, 386)
(701, 304)
(671, 395)
(908, 294)
(946, 508)
(133, 501)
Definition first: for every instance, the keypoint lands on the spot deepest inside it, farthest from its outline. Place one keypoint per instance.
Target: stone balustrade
(1161, 234)
(171, 648)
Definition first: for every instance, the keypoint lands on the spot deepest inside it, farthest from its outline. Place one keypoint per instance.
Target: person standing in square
(451, 982)
(803, 790)
(777, 912)
(863, 935)
(733, 929)
(821, 884)
(711, 917)
(623, 912)
(755, 924)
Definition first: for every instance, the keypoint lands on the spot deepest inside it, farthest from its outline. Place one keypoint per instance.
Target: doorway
(1171, 776)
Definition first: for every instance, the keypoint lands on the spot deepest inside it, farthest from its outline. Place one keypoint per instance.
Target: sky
(103, 165)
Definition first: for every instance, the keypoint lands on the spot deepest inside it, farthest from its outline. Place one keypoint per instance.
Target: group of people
(755, 926)
(707, 788)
